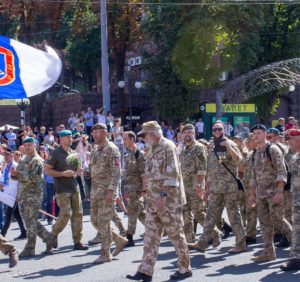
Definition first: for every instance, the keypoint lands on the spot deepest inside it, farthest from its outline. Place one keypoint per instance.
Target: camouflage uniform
(134, 171)
(162, 169)
(105, 174)
(193, 161)
(5, 246)
(30, 195)
(251, 212)
(288, 194)
(223, 189)
(295, 170)
(265, 175)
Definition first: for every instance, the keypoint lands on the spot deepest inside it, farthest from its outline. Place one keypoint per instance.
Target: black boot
(23, 235)
(130, 243)
(139, 276)
(283, 243)
(226, 230)
(250, 240)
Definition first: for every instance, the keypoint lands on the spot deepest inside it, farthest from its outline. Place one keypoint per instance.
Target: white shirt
(71, 122)
(200, 127)
(101, 118)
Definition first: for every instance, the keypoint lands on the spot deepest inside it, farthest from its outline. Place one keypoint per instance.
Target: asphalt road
(68, 265)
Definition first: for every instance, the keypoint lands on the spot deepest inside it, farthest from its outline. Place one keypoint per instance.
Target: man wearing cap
(66, 190)
(29, 174)
(294, 262)
(193, 160)
(268, 177)
(165, 200)
(105, 171)
(223, 190)
(134, 183)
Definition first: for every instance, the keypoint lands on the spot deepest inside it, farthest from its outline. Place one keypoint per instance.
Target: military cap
(99, 126)
(295, 132)
(188, 127)
(149, 126)
(259, 127)
(29, 140)
(65, 133)
(273, 130)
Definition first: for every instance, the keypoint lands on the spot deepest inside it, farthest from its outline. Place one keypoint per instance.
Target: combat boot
(197, 246)
(216, 240)
(120, 242)
(103, 258)
(291, 265)
(96, 240)
(265, 257)
(27, 253)
(13, 258)
(239, 248)
(50, 244)
(130, 240)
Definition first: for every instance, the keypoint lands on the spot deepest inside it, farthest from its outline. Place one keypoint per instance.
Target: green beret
(188, 127)
(273, 130)
(99, 126)
(65, 133)
(29, 140)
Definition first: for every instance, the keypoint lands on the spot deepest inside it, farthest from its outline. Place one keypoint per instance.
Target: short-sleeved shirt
(58, 160)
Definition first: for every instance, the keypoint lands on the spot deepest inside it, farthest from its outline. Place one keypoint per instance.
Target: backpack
(287, 186)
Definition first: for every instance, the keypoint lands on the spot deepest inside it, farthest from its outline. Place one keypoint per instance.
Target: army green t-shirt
(58, 160)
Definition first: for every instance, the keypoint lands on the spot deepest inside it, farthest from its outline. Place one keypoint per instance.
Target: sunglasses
(217, 129)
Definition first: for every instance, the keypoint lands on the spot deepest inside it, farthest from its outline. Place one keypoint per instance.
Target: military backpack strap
(137, 154)
(253, 155)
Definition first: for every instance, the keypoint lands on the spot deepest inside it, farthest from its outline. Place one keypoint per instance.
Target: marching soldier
(135, 185)
(105, 171)
(267, 183)
(223, 188)
(193, 162)
(165, 200)
(294, 262)
(30, 176)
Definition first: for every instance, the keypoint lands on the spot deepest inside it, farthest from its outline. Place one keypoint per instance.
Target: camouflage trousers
(155, 224)
(249, 215)
(216, 204)
(5, 246)
(118, 223)
(29, 206)
(101, 216)
(295, 249)
(135, 211)
(70, 208)
(194, 209)
(288, 206)
(270, 216)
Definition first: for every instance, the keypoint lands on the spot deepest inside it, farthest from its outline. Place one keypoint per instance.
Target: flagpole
(104, 58)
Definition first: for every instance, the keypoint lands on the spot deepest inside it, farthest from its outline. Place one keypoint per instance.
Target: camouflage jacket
(295, 171)
(105, 170)
(134, 170)
(221, 181)
(247, 169)
(163, 169)
(193, 161)
(267, 172)
(31, 175)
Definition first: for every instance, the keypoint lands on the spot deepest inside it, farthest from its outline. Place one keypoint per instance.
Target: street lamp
(22, 105)
(138, 86)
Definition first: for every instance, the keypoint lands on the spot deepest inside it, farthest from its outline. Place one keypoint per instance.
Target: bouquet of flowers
(74, 161)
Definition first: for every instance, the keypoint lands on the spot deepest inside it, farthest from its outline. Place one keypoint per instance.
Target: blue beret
(65, 133)
(29, 140)
(259, 127)
(273, 130)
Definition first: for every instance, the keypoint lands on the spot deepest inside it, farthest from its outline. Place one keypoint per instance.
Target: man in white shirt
(200, 128)
(228, 129)
(11, 139)
(71, 121)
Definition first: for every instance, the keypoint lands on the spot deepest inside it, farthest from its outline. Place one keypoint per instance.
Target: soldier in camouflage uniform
(134, 184)
(294, 262)
(105, 173)
(165, 200)
(66, 189)
(193, 161)
(223, 189)
(267, 183)
(9, 249)
(30, 176)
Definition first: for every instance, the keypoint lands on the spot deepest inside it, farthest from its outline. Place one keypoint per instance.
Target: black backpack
(287, 186)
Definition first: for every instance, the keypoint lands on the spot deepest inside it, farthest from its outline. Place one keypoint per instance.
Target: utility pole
(104, 58)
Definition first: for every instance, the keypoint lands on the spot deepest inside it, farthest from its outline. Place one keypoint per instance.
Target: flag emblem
(7, 69)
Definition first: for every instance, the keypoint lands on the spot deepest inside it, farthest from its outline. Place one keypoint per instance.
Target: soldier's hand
(69, 173)
(14, 172)
(1, 186)
(79, 172)
(199, 192)
(278, 198)
(109, 196)
(252, 201)
(126, 196)
(160, 203)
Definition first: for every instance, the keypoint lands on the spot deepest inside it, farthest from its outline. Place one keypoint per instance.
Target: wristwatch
(163, 194)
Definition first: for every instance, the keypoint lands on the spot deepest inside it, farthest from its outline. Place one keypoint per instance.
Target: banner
(26, 71)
